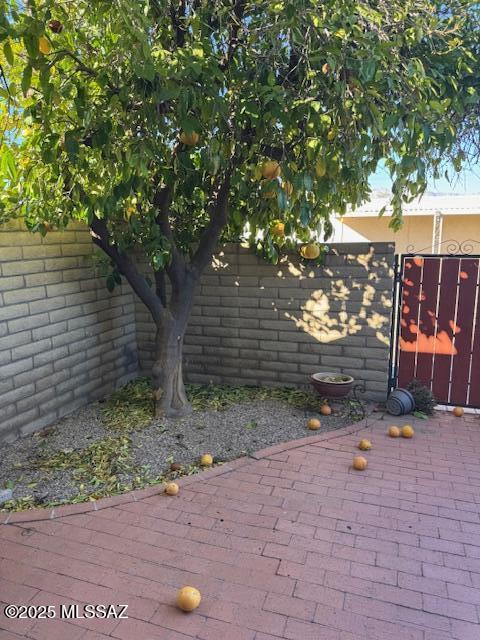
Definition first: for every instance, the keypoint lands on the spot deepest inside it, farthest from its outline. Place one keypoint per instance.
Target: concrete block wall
(64, 339)
(255, 323)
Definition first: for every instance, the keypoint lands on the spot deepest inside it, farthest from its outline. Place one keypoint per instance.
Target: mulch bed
(114, 446)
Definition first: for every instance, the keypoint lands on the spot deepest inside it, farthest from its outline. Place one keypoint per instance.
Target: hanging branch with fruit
(167, 127)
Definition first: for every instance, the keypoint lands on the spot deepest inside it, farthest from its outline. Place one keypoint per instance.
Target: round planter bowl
(326, 389)
(400, 402)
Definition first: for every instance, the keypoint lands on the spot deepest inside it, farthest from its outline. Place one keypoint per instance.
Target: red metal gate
(436, 327)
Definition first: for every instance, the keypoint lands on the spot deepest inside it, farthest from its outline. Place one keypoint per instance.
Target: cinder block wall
(255, 323)
(64, 340)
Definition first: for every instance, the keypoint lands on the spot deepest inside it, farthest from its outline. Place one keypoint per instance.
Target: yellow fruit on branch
(44, 45)
(271, 170)
(326, 68)
(310, 251)
(190, 139)
(278, 229)
(359, 463)
(331, 135)
(206, 460)
(288, 187)
(188, 598)
(364, 445)
(321, 167)
(314, 424)
(407, 431)
(172, 489)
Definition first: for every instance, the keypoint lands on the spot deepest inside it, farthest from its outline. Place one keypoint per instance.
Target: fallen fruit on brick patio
(313, 424)
(172, 489)
(364, 445)
(188, 598)
(407, 431)
(393, 432)
(458, 412)
(325, 410)
(360, 463)
(175, 466)
(206, 460)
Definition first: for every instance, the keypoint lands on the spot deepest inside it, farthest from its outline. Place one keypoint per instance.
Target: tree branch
(101, 237)
(234, 40)
(160, 286)
(176, 17)
(176, 269)
(218, 210)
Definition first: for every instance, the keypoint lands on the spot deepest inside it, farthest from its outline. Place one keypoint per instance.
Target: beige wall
(415, 235)
(416, 231)
(462, 229)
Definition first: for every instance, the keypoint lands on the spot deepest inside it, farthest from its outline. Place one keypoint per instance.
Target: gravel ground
(238, 430)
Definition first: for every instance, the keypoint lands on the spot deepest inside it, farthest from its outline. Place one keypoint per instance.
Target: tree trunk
(167, 376)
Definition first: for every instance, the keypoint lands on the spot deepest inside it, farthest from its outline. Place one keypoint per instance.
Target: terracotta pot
(332, 389)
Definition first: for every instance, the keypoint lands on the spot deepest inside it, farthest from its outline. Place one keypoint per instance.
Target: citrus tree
(169, 125)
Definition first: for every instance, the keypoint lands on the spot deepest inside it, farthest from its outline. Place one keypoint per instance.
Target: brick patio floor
(294, 544)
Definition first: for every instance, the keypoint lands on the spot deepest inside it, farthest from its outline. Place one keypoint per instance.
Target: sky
(466, 182)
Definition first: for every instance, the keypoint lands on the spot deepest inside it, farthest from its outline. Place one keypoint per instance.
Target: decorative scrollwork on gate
(449, 247)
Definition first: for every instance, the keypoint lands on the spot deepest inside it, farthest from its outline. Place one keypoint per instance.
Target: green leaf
(420, 414)
(71, 145)
(282, 200)
(7, 50)
(26, 79)
(190, 125)
(368, 69)
(146, 71)
(110, 283)
(8, 164)
(305, 214)
(307, 182)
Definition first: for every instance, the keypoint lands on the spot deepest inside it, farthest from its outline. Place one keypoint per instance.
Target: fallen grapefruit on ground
(172, 489)
(359, 463)
(206, 460)
(188, 598)
(364, 445)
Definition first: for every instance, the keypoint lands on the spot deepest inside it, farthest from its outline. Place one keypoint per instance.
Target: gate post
(395, 323)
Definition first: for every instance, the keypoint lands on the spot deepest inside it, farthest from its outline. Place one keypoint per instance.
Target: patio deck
(292, 544)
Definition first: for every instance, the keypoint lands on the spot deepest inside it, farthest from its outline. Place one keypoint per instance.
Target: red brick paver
(291, 543)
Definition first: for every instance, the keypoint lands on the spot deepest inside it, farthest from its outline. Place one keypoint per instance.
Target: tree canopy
(97, 95)
(168, 125)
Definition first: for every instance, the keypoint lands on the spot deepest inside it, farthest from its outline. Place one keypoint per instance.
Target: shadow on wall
(256, 323)
(328, 317)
